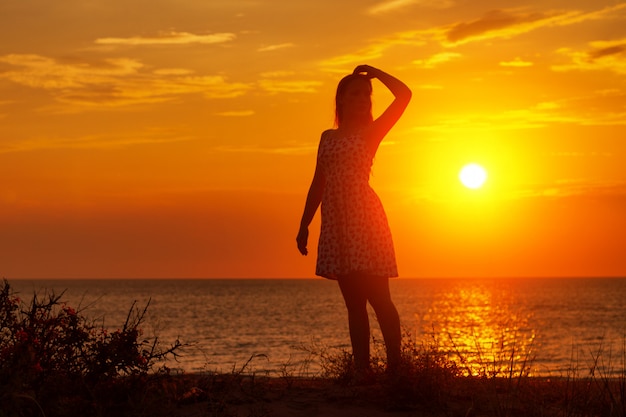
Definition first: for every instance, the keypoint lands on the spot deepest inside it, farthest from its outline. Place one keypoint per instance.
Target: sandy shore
(239, 396)
(299, 397)
(288, 397)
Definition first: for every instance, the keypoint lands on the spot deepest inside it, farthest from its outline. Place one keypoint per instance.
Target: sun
(473, 176)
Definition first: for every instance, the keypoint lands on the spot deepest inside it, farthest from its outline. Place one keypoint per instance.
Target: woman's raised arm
(402, 96)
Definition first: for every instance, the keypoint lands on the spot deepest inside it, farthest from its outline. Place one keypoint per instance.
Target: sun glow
(473, 176)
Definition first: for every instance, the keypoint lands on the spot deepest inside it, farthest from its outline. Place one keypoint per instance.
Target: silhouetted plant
(54, 361)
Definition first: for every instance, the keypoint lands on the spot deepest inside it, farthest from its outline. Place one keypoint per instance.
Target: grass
(55, 363)
(431, 382)
(428, 384)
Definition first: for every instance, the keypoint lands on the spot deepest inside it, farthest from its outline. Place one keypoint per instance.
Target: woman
(355, 246)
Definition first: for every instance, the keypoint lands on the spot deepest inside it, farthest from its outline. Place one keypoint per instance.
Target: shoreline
(238, 395)
(59, 363)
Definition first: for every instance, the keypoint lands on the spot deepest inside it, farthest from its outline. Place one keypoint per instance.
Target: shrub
(55, 361)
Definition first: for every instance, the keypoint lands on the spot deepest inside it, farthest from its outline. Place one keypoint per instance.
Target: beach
(237, 395)
(58, 362)
(290, 397)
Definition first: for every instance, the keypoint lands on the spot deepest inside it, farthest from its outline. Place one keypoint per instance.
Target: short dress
(355, 235)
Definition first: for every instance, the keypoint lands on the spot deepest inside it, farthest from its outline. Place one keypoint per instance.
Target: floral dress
(355, 235)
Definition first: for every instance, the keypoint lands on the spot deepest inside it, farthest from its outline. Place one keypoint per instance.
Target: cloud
(147, 136)
(390, 5)
(281, 86)
(575, 187)
(612, 50)
(169, 38)
(172, 71)
(493, 25)
(376, 49)
(284, 150)
(394, 5)
(237, 113)
(571, 112)
(547, 105)
(506, 24)
(609, 54)
(603, 56)
(517, 63)
(277, 74)
(501, 24)
(112, 82)
(41, 72)
(344, 63)
(608, 44)
(437, 59)
(271, 48)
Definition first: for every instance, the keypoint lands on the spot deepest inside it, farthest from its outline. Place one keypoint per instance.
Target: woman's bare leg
(352, 289)
(380, 299)
(357, 290)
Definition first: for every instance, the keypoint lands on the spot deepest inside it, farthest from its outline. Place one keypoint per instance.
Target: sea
(539, 326)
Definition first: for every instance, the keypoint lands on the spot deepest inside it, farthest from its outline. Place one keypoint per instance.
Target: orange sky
(177, 138)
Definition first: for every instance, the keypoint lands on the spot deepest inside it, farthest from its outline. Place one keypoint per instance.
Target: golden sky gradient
(177, 138)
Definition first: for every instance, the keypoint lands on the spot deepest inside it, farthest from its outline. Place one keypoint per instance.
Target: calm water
(558, 323)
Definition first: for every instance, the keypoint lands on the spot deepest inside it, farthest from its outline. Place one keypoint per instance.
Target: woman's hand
(302, 240)
(402, 95)
(367, 70)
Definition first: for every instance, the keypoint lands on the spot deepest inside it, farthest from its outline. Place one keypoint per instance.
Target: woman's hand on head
(366, 70)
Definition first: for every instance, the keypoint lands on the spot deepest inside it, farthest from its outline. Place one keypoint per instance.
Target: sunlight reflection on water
(479, 330)
(547, 327)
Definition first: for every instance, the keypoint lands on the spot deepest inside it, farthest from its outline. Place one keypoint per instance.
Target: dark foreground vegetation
(55, 362)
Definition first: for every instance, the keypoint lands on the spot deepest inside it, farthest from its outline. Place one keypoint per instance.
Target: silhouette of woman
(355, 245)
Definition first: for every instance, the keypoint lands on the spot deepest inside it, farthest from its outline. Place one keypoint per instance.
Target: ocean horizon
(548, 325)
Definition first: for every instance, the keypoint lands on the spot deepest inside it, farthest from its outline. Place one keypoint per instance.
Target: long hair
(341, 90)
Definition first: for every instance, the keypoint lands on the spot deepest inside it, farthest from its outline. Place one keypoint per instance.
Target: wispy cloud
(437, 59)
(148, 136)
(236, 113)
(288, 86)
(270, 48)
(516, 63)
(376, 49)
(390, 5)
(602, 55)
(169, 38)
(112, 82)
(571, 112)
(394, 5)
(608, 51)
(342, 62)
(495, 24)
(172, 71)
(283, 150)
(574, 188)
(277, 74)
(510, 23)
(498, 24)
(42, 72)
